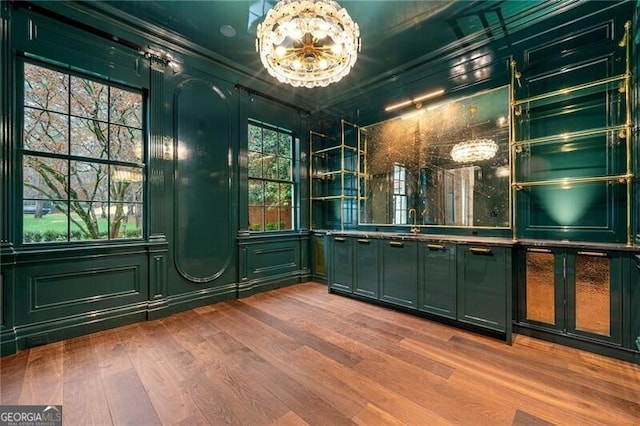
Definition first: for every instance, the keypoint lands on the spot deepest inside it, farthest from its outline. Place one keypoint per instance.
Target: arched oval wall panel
(203, 246)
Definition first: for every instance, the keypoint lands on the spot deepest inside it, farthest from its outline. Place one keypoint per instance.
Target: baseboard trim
(617, 352)
(195, 299)
(263, 284)
(89, 322)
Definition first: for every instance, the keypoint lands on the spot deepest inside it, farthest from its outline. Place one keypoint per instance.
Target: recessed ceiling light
(228, 31)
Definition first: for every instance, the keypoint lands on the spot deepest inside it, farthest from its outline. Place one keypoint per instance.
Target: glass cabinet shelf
(565, 183)
(575, 136)
(597, 86)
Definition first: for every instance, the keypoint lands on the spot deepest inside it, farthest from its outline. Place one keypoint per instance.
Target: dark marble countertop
(494, 241)
(444, 238)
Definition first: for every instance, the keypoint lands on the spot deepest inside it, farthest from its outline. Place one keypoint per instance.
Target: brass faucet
(414, 228)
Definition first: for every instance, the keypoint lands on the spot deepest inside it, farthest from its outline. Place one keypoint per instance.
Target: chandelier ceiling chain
(308, 43)
(474, 149)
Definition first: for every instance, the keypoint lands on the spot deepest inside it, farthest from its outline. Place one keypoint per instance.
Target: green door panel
(437, 284)
(400, 273)
(203, 246)
(342, 264)
(482, 286)
(367, 275)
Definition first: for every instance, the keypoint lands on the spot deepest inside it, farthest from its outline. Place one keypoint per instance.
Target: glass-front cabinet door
(572, 292)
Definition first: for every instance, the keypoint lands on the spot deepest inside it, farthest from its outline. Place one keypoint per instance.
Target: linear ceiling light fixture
(417, 101)
(308, 43)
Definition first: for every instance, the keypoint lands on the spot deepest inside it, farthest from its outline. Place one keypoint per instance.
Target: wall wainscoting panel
(268, 262)
(52, 291)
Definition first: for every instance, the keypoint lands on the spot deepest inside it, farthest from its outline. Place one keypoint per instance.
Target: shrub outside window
(82, 158)
(271, 184)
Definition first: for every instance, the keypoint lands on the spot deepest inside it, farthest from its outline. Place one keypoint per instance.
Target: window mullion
(69, 136)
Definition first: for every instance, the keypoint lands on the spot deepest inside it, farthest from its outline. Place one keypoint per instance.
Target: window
(271, 182)
(399, 194)
(82, 158)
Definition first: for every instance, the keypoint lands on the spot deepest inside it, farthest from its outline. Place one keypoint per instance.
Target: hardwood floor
(299, 355)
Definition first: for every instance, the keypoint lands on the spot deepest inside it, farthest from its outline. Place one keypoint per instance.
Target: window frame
(21, 152)
(399, 200)
(294, 181)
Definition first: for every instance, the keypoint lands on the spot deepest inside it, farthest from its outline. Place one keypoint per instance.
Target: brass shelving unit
(339, 165)
(623, 132)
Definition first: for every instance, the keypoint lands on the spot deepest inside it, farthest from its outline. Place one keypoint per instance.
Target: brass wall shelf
(624, 132)
(564, 137)
(342, 161)
(570, 90)
(567, 181)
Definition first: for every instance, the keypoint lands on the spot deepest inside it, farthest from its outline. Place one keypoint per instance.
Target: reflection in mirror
(449, 162)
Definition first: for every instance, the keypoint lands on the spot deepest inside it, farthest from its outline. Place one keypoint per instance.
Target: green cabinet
(467, 284)
(400, 273)
(634, 303)
(573, 292)
(483, 287)
(437, 279)
(367, 268)
(341, 276)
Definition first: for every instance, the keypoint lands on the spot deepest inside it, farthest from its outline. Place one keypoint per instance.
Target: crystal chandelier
(308, 43)
(474, 149)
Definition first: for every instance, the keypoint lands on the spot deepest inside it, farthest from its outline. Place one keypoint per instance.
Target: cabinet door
(400, 273)
(437, 281)
(482, 286)
(342, 264)
(594, 300)
(542, 288)
(367, 264)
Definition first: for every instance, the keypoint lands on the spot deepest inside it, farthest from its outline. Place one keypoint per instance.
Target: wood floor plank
(532, 389)
(43, 379)
(12, 372)
(369, 388)
(290, 419)
(296, 333)
(325, 386)
(299, 355)
(307, 405)
(160, 377)
(128, 400)
(85, 402)
(372, 415)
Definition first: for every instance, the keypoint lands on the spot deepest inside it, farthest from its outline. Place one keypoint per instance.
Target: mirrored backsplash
(448, 162)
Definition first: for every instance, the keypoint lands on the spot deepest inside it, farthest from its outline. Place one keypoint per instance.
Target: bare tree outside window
(82, 158)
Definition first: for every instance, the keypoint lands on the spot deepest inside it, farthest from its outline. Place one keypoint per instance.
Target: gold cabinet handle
(593, 253)
(435, 246)
(480, 250)
(396, 244)
(339, 239)
(364, 241)
(538, 250)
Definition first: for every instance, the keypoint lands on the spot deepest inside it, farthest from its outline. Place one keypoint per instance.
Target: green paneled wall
(193, 252)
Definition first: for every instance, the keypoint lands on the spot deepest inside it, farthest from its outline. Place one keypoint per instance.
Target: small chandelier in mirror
(474, 149)
(308, 43)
